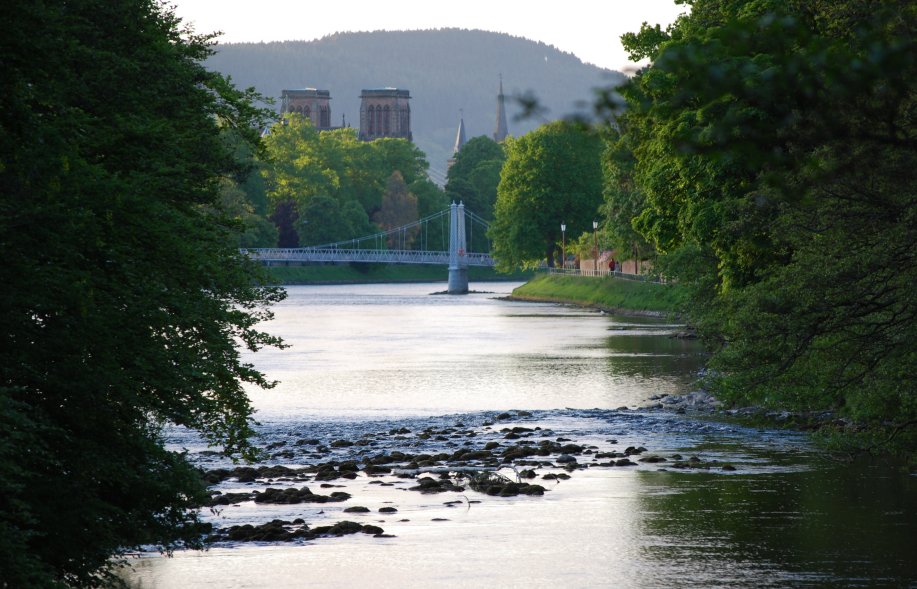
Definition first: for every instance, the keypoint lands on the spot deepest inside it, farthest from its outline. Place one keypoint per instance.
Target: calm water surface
(365, 360)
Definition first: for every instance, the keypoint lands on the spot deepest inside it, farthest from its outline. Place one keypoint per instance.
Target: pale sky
(588, 29)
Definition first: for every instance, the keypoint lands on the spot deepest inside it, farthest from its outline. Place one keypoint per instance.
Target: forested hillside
(446, 70)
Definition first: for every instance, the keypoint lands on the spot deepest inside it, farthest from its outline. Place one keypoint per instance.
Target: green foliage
(126, 298)
(402, 156)
(254, 230)
(399, 207)
(325, 220)
(624, 201)
(774, 160)
(474, 176)
(551, 175)
(326, 185)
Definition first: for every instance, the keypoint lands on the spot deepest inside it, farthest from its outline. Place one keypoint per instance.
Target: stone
(652, 459)
(374, 530)
(339, 529)
(292, 495)
(229, 498)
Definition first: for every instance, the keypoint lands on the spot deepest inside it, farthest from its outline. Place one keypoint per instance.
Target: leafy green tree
(305, 164)
(298, 168)
(551, 175)
(774, 146)
(399, 207)
(325, 220)
(254, 230)
(125, 299)
(474, 176)
(286, 219)
(402, 156)
(358, 165)
(430, 199)
(624, 201)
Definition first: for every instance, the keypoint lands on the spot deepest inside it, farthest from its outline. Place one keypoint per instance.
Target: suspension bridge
(412, 243)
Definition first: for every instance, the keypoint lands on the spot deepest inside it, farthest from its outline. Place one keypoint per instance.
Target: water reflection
(395, 349)
(831, 526)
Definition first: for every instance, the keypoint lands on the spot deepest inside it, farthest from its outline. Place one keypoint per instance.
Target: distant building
(385, 112)
(459, 142)
(502, 130)
(312, 104)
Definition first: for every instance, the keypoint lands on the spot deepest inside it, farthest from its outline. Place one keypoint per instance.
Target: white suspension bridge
(378, 247)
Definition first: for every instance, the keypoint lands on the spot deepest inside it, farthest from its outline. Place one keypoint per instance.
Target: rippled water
(366, 360)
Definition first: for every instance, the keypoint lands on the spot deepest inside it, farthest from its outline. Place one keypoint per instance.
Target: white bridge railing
(306, 254)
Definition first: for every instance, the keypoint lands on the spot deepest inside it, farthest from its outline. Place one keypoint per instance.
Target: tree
(776, 152)
(399, 207)
(325, 220)
(403, 156)
(551, 175)
(254, 230)
(305, 164)
(624, 201)
(474, 176)
(126, 299)
(298, 167)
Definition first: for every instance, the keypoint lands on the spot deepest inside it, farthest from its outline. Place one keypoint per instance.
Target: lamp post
(595, 247)
(563, 246)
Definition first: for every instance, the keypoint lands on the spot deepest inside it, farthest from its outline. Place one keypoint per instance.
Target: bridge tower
(458, 263)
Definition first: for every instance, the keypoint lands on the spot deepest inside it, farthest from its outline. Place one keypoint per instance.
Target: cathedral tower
(385, 112)
(313, 104)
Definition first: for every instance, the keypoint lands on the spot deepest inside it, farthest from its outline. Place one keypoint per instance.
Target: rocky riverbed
(324, 480)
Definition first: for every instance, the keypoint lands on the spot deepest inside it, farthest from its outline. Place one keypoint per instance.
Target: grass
(372, 273)
(609, 293)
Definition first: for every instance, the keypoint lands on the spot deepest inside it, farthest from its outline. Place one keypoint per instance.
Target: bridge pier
(458, 281)
(458, 262)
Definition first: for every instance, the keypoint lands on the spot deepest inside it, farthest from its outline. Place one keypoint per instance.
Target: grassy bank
(614, 294)
(370, 273)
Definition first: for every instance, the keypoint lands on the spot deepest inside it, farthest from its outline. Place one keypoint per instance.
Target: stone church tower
(385, 112)
(313, 104)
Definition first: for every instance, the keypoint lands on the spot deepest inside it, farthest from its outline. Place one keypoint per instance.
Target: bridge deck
(305, 254)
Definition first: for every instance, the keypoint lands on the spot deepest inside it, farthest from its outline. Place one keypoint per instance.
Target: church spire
(502, 130)
(459, 140)
(460, 136)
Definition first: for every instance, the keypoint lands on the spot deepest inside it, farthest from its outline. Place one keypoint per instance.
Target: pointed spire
(460, 135)
(502, 129)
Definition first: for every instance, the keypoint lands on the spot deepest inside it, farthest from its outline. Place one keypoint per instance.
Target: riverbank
(379, 273)
(615, 295)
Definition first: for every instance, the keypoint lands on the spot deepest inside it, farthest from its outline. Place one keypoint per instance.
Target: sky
(589, 29)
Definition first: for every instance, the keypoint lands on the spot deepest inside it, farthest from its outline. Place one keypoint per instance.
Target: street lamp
(563, 246)
(595, 247)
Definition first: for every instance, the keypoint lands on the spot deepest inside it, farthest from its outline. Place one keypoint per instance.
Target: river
(376, 369)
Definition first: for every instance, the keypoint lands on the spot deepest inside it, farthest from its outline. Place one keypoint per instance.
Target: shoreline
(606, 294)
(622, 311)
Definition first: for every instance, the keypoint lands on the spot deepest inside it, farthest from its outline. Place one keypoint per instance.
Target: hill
(446, 70)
